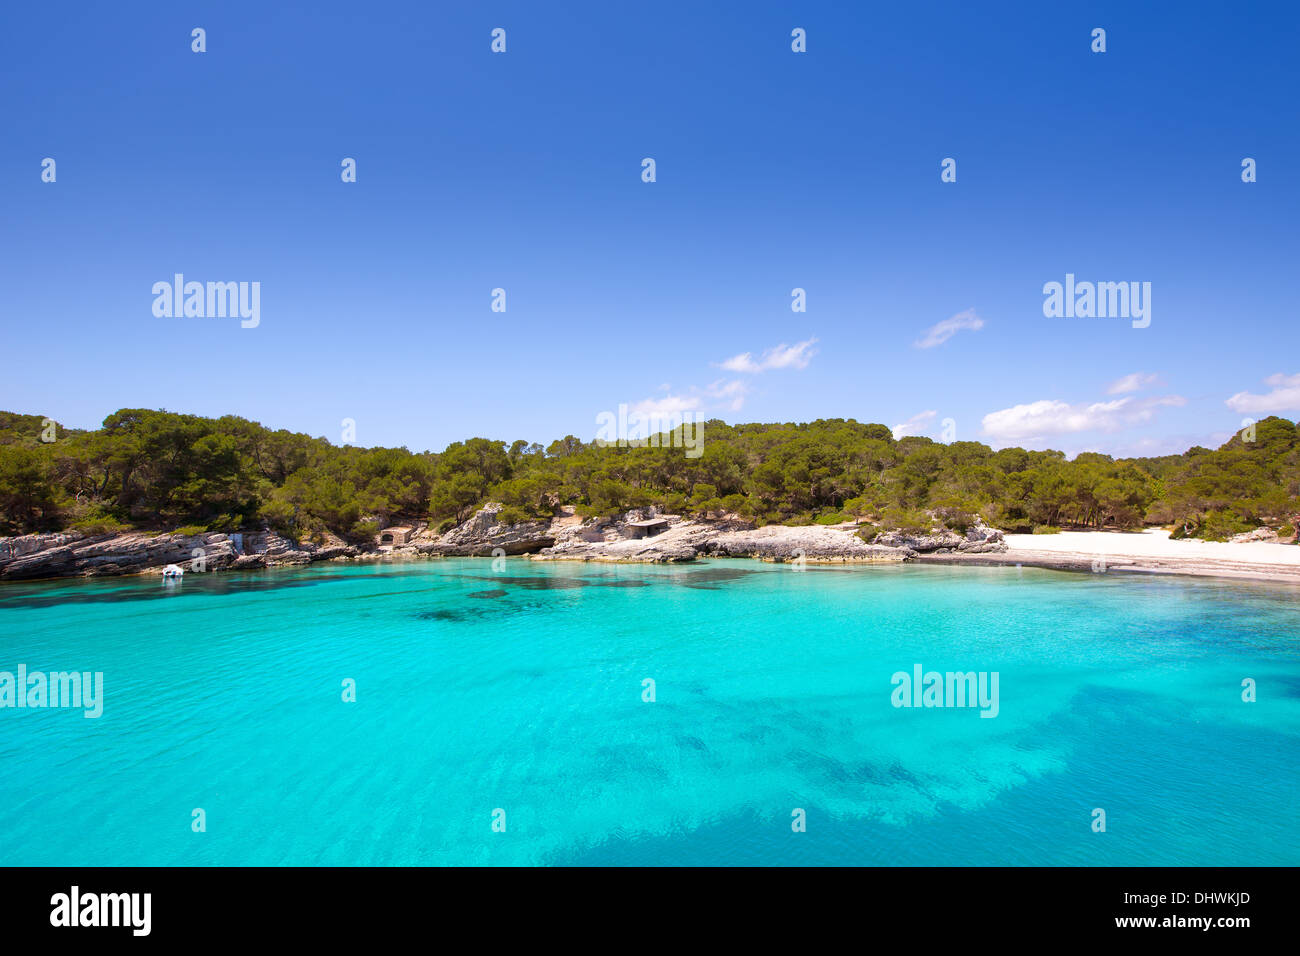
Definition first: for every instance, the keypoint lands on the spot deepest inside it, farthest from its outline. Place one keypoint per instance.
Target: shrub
(224, 523)
(100, 524)
(708, 507)
(906, 520)
(955, 519)
(364, 531)
(739, 505)
(674, 503)
(1046, 529)
(191, 530)
(511, 515)
(703, 496)
(857, 505)
(1286, 531)
(1220, 526)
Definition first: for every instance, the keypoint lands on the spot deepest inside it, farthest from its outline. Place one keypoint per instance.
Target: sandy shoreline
(1151, 551)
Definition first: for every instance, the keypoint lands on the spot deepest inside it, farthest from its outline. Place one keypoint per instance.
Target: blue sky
(775, 170)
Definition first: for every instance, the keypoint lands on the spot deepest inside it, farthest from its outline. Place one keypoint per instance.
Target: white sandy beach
(1152, 550)
(1155, 543)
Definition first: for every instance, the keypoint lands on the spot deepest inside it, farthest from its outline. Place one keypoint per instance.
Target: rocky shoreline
(628, 539)
(565, 537)
(73, 554)
(688, 540)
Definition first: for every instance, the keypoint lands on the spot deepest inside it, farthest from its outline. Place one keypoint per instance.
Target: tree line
(158, 470)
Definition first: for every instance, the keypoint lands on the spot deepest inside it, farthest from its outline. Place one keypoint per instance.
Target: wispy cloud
(941, 332)
(1285, 397)
(667, 407)
(781, 356)
(913, 424)
(1132, 383)
(724, 394)
(1050, 418)
(731, 393)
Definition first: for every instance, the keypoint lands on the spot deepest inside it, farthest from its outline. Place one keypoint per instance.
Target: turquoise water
(522, 690)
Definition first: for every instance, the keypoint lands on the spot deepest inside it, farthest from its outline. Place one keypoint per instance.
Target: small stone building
(394, 536)
(648, 528)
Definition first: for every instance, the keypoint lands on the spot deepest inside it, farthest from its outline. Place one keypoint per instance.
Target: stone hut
(390, 537)
(647, 528)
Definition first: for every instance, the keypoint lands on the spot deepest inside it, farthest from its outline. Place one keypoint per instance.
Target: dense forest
(159, 470)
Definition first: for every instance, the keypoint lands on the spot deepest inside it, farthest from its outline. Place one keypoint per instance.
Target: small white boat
(172, 571)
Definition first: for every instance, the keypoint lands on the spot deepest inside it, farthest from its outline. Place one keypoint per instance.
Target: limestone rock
(932, 541)
(685, 540)
(1259, 534)
(980, 538)
(483, 533)
(51, 556)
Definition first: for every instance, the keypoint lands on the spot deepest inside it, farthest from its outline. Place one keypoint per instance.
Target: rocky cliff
(564, 537)
(483, 535)
(72, 553)
(979, 539)
(686, 540)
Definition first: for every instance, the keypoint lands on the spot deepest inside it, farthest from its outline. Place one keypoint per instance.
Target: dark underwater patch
(720, 574)
(835, 770)
(1290, 686)
(534, 583)
(706, 578)
(488, 607)
(444, 614)
(135, 588)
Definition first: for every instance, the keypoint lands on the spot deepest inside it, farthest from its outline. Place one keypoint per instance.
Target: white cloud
(732, 393)
(782, 356)
(724, 394)
(1285, 397)
(913, 424)
(667, 407)
(1048, 418)
(941, 332)
(1132, 383)
(717, 396)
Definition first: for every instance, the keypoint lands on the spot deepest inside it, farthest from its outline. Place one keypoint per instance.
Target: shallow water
(522, 690)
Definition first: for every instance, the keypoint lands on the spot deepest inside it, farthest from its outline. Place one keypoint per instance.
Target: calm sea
(517, 696)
